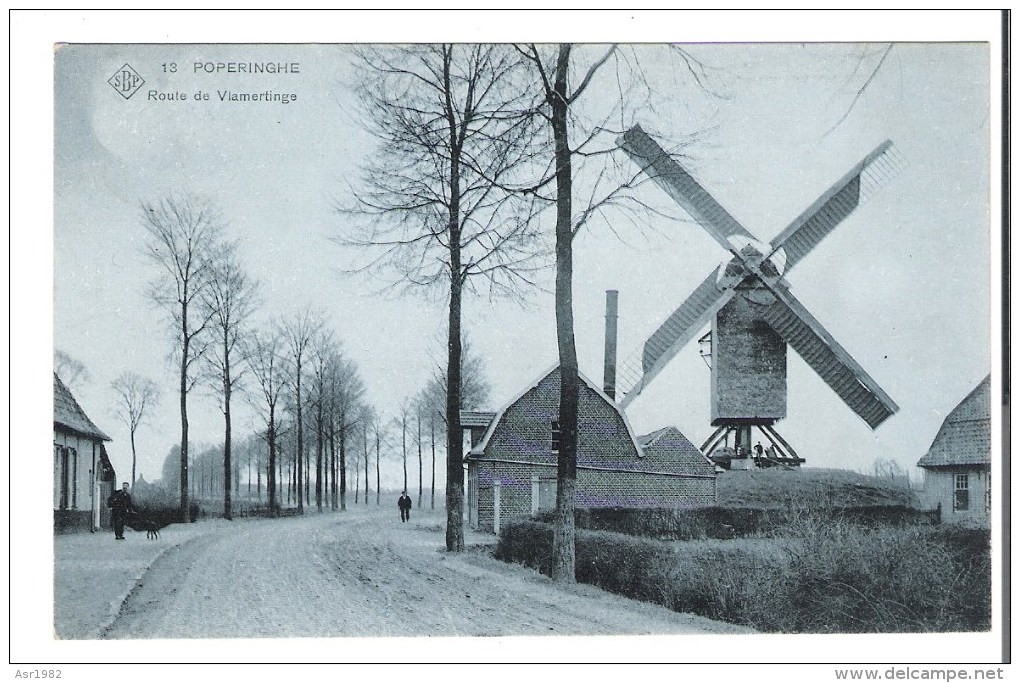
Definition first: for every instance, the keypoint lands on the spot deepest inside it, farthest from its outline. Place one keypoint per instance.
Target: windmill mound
(810, 488)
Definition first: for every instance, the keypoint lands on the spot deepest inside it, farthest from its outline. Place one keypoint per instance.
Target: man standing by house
(119, 503)
(404, 503)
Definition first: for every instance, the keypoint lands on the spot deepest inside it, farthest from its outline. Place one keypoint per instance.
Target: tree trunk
(378, 488)
(420, 488)
(271, 469)
(134, 459)
(300, 442)
(454, 442)
(343, 463)
(454, 445)
(184, 420)
(432, 426)
(227, 455)
(365, 430)
(332, 465)
(403, 447)
(563, 560)
(318, 456)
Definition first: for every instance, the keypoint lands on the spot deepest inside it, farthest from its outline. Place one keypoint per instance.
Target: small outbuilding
(512, 468)
(83, 477)
(957, 467)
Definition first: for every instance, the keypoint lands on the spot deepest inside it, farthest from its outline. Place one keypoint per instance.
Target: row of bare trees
(422, 417)
(292, 369)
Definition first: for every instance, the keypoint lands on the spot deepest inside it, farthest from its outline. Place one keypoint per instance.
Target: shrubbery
(822, 577)
(731, 522)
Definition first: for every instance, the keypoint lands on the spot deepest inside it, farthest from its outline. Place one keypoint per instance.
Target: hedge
(823, 577)
(729, 522)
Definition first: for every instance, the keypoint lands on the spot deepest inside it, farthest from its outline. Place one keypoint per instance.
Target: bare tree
(887, 468)
(405, 410)
(474, 395)
(230, 299)
(299, 332)
(432, 442)
(357, 482)
(266, 359)
(363, 431)
(475, 388)
(71, 371)
(324, 356)
(419, 408)
(348, 390)
(338, 393)
(185, 237)
(380, 433)
(135, 395)
(559, 107)
(452, 137)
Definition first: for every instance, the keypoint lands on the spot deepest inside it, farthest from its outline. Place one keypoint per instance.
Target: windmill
(753, 314)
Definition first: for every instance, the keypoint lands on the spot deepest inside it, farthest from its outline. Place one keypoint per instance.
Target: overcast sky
(903, 284)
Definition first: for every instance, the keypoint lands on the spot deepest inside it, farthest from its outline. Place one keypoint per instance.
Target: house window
(67, 471)
(555, 445)
(546, 494)
(74, 478)
(961, 492)
(988, 492)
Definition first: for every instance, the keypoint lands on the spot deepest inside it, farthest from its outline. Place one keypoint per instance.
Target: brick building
(512, 469)
(958, 466)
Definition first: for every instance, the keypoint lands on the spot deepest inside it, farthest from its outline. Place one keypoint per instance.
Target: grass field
(809, 487)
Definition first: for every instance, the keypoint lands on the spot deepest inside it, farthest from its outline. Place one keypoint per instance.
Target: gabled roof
(68, 415)
(965, 437)
(480, 446)
(671, 443)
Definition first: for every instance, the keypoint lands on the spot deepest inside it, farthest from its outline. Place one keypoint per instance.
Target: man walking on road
(120, 503)
(404, 503)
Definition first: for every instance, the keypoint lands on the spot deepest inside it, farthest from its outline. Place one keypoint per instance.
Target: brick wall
(611, 472)
(748, 365)
(595, 489)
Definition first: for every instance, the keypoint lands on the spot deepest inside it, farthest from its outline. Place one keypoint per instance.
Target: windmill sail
(682, 187)
(787, 316)
(839, 201)
(693, 314)
(792, 321)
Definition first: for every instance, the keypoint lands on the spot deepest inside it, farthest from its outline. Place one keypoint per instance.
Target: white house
(82, 474)
(957, 467)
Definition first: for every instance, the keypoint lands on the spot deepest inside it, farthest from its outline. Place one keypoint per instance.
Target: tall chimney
(609, 369)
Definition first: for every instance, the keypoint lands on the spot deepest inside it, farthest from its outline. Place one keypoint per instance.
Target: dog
(151, 527)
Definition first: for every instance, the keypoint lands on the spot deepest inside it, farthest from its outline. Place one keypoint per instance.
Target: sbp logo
(126, 81)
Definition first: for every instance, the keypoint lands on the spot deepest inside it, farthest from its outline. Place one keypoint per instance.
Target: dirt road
(363, 573)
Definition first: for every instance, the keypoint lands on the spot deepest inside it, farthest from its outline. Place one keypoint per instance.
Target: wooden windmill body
(753, 314)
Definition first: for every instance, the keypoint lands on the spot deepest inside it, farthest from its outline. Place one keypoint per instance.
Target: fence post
(495, 507)
(536, 492)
